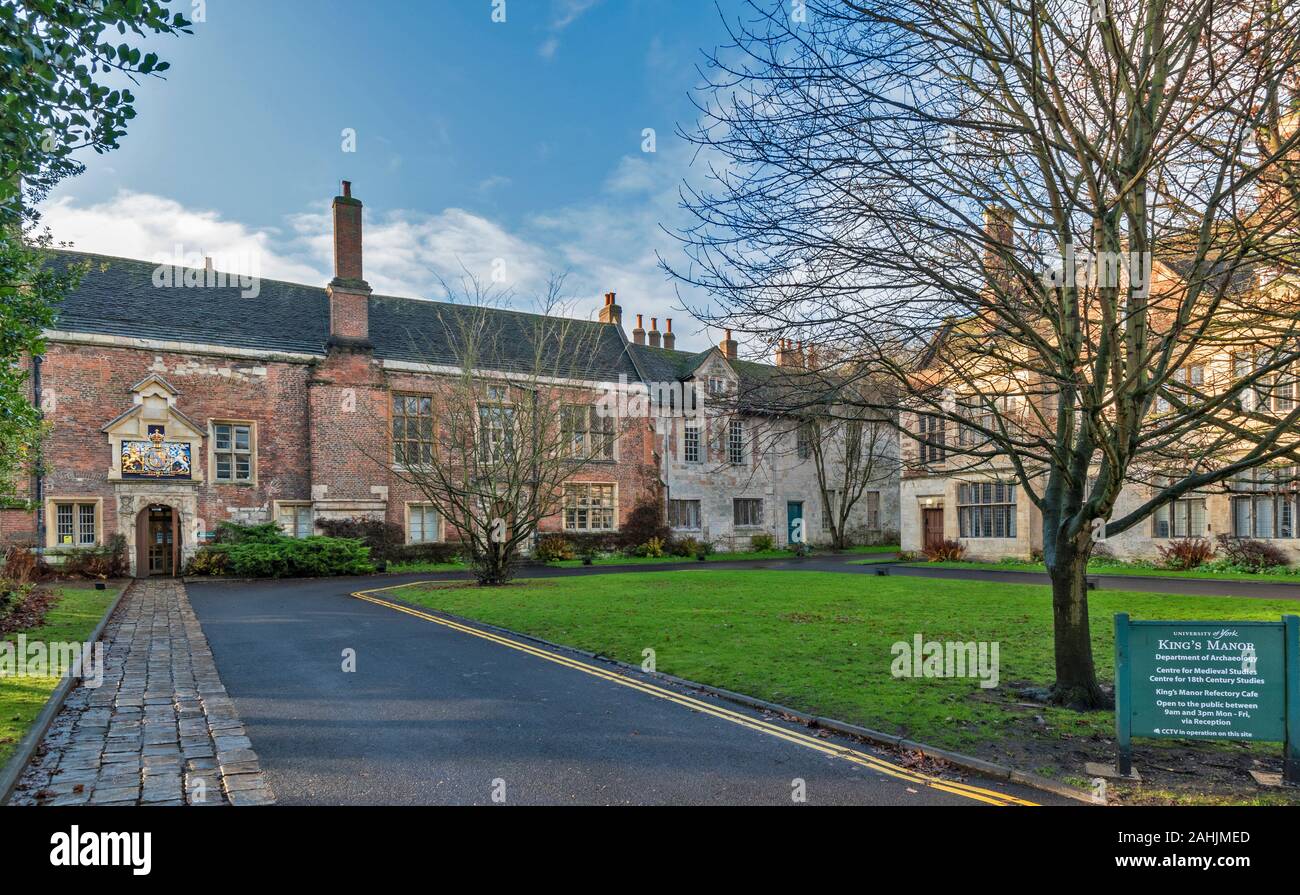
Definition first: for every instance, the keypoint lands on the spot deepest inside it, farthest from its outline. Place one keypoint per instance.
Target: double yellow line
(987, 796)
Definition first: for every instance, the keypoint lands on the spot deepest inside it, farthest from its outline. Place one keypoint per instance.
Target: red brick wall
(317, 424)
(349, 420)
(91, 385)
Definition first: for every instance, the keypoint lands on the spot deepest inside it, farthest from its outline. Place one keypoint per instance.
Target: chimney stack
(999, 240)
(611, 312)
(787, 355)
(654, 332)
(728, 346)
(638, 334)
(669, 339)
(349, 293)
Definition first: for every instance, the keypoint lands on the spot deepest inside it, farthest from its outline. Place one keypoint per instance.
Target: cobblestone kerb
(161, 730)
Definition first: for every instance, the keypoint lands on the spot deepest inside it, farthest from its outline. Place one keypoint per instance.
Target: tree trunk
(1076, 676)
(495, 565)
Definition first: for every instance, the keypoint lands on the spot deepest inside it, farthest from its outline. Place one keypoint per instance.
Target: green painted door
(794, 521)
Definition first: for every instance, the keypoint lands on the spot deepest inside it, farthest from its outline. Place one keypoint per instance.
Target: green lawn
(618, 560)
(821, 642)
(72, 618)
(1120, 569)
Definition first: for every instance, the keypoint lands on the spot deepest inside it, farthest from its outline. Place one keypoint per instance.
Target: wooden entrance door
(932, 527)
(157, 542)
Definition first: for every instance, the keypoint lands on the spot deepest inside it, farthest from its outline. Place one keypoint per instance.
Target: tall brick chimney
(638, 334)
(669, 339)
(999, 238)
(654, 332)
(611, 312)
(728, 346)
(349, 293)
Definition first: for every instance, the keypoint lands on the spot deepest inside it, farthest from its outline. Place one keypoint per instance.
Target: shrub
(1250, 555)
(761, 542)
(646, 521)
(653, 547)
(108, 561)
(593, 542)
(685, 546)
(706, 548)
(259, 557)
(208, 561)
(234, 533)
(311, 557)
(1186, 553)
(433, 552)
(22, 566)
(1102, 554)
(383, 538)
(554, 548)
(945, 551)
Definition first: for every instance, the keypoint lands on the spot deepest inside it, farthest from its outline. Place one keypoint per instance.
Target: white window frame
(736, 448)
(214, 452)
(696, 429)
(421, 508)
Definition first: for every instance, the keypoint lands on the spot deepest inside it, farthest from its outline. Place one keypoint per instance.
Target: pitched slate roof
(117, 297)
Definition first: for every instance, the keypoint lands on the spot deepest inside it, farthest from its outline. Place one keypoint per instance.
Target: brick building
(180, 400)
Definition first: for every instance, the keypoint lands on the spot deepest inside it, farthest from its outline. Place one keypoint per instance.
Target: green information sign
(1208, 680)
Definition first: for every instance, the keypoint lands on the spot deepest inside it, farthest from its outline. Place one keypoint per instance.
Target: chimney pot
(654, 332)
(638, 334)
(728, 346)
(207, 263)
(670, 340)
(347, 189)
(611, 312)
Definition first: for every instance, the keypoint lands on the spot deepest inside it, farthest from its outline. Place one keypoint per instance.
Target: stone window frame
(405, 462)
(440, 535)
(252, 451)
(279, 505)
(613, 507)
(51, 520)
(982, 504)
(699, 513)
(737, 442)
(752, 501)
(696, 426)
(605, 438)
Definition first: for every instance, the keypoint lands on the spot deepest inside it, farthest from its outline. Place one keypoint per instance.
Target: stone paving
(161, 730)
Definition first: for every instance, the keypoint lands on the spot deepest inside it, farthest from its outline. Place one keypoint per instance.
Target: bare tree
(1035, 217)
(494, 432)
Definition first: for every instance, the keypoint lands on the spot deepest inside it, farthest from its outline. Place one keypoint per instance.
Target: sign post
(1216, 680)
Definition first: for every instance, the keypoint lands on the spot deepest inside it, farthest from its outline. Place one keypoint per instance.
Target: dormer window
(717, 386)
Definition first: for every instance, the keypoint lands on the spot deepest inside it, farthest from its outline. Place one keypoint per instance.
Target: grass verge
(72, 619)
(616, 560)
(1119, 569)
(821, 642)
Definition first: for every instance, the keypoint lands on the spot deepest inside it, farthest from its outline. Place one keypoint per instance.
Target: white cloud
(605, 244)
(563, 14)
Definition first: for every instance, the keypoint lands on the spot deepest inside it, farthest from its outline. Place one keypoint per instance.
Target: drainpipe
(38, 469)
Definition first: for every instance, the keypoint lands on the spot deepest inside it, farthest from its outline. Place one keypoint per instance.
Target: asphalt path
(436, 713)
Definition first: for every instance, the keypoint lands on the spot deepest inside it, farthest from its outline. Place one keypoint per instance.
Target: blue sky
(475, 141)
